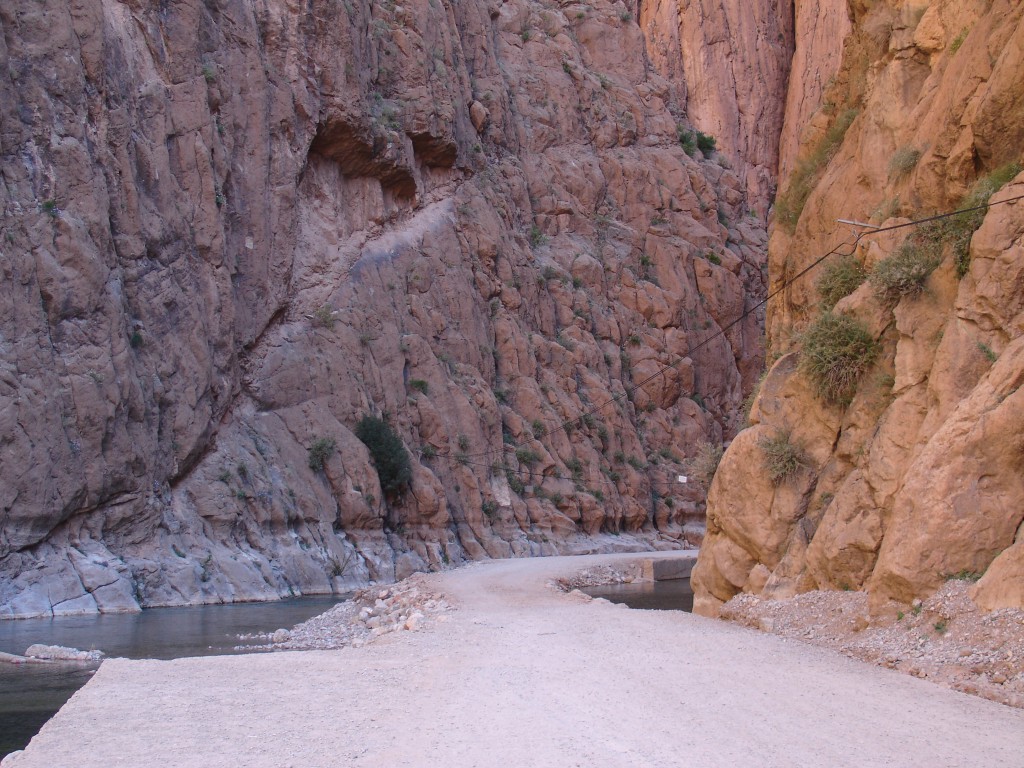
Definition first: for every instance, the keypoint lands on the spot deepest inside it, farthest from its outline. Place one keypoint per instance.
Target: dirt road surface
(522, 675)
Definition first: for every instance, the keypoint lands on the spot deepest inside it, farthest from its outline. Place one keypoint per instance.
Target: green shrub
(838, 279)
(320, 452)
(905, 272)
(687, 140)
(419, 385)
(537, 237)
(790, 204)
(837, 351)
(527, 457)
(705, 143)
(955, 232)
(782, 458)
(387, 452)
(903, 162)
(514, 483)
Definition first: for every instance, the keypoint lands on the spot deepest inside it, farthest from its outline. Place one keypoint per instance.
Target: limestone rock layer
(919, 478)
(232, 229)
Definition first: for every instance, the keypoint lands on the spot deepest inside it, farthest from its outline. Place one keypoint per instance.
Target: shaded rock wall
(232, 229)
(733, 58)
(919, 478)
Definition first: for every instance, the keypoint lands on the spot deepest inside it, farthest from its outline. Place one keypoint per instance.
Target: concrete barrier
(668, 568)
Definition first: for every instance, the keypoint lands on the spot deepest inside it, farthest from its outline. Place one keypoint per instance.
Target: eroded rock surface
(230, 231)
(921, 476)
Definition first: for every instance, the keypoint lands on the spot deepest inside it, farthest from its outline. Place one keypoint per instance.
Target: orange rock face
(230, 233)
(919, 478)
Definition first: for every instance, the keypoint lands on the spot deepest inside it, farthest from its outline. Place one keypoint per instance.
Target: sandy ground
(523, 675)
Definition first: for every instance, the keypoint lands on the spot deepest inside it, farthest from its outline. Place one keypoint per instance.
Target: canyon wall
(885, 447)
(733, 59)
(232, 229)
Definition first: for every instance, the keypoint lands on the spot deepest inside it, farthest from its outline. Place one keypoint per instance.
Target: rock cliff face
(918, 475)
(232, 229)
(733, 57)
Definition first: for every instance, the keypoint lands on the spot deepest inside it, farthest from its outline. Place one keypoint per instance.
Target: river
(31, 693)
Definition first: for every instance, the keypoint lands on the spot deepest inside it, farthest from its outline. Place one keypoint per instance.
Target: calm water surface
(673, 595)
(31, 694)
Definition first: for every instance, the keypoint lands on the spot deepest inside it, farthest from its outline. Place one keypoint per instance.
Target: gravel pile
(599, 576)
(946, 639)
(372, 612)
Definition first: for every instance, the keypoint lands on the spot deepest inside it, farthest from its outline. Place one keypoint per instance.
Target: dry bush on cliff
(701, 467)
(320, 452)
(781, 456)
(837, 351)
(903, 162)
(904, 273)
(839, 279)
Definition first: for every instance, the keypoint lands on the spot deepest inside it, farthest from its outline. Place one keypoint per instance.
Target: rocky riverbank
(409, 605)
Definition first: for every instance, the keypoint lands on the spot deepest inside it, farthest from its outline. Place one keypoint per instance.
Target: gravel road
(523, 675)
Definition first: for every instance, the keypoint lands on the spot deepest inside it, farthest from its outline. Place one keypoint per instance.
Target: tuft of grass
(838, 279)
(702, 466)
(903, 162)
(964, 575)
(941, 626)
(419, 385)
(790, 204)
(905, 272)
(837, 351)
(987, 351)
(323, 317)
(781, 457)
(320, 452)
(537, 238)
(959, 40)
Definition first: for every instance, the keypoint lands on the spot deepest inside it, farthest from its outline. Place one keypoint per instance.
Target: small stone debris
(41, 652)
(946, 638)
(598, 576)
(371, 613)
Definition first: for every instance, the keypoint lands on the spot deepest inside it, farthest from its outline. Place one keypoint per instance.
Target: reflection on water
(31, 694)
(673, 595)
